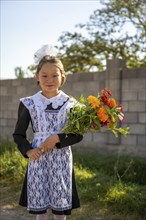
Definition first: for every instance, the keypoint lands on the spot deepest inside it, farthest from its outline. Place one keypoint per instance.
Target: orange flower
(109, 123)
(95, 103)
(111, 102)
(102, 114)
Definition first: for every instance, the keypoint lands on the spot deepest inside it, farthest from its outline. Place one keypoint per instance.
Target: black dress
(24, 145)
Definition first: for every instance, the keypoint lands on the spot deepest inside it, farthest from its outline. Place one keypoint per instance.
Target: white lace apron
(49, 181)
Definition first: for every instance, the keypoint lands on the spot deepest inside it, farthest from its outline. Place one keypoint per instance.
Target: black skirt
(75, 199)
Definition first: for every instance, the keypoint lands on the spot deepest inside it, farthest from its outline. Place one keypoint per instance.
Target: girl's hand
(49, 143)
(34, 154)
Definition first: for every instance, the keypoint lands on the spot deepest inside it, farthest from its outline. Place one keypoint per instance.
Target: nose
(49, 79)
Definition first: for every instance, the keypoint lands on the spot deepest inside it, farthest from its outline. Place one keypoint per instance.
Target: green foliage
(32, 69)
(29, 72)
(126, 198)
(107, 36)
(19, 73)
(131, 170)
(13, 165)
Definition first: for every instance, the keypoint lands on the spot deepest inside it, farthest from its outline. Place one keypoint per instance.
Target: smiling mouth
(49, 85)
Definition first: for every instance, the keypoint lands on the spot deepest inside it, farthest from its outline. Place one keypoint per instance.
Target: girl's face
(50, 79)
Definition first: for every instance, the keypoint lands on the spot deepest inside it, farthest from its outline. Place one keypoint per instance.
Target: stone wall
(128, 86)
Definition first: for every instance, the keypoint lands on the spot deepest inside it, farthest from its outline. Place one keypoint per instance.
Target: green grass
(13, 165)
(116, 185)
(112, 187)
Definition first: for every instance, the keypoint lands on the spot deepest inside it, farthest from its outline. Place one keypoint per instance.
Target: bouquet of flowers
(95, 113)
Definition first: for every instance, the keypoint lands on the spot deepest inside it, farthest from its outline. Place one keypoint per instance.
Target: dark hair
(53, 60)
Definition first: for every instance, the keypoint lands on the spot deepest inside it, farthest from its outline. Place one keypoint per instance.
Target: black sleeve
(19, 134)
(68, 139)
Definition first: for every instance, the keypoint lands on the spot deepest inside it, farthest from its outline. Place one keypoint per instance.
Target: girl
(49, 182)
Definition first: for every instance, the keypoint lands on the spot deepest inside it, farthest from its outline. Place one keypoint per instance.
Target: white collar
(56, 101)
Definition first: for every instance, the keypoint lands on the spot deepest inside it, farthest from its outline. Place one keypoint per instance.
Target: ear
(62, 80)
(37, 77)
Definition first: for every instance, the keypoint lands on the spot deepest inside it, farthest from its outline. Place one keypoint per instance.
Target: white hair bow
(45, 50)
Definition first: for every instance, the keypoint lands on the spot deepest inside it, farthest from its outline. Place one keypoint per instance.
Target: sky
(26, 25)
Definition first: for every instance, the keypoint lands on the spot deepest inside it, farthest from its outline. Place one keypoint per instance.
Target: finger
(37, 156)
(34, 156)
(38, 153)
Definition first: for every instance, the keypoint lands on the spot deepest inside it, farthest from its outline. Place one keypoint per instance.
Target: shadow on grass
(115, 185)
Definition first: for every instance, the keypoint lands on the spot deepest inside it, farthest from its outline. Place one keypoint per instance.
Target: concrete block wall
(10, 93)
(128, 86)
(134, 100)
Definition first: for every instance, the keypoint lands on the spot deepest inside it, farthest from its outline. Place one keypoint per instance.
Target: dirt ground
(10, 210)
(15, 213)
(21, 214)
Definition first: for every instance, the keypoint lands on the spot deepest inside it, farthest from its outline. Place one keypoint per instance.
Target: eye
(44, 76)
(55, 75)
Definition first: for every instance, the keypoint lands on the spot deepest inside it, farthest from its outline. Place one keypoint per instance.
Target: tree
(107, 36)
(19, 73)
(32, 69)
(29, 72)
